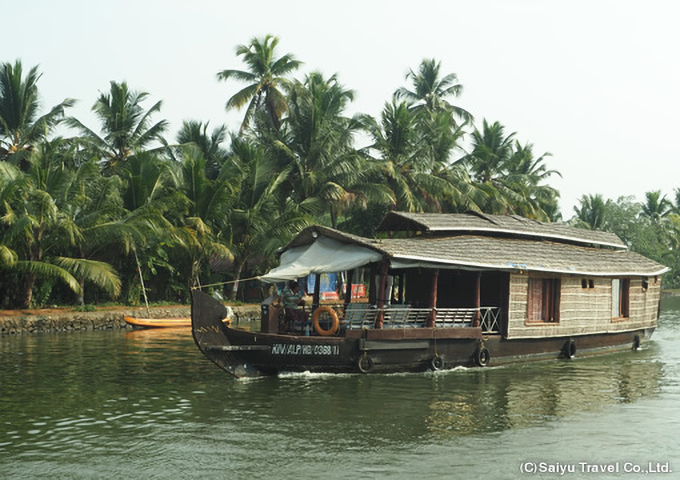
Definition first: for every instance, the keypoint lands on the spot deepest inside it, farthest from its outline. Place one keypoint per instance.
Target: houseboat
(441, 291)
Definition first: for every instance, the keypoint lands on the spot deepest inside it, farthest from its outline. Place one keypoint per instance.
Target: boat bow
(209, 332)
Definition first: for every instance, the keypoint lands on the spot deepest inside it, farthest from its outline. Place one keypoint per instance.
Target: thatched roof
(480, 252)
(513, 254)
(494, 225)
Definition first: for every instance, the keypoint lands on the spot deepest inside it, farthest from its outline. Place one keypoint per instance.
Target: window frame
(623, 299)
(548, 303)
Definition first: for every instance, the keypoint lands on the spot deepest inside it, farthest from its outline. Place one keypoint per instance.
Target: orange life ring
(334, 317)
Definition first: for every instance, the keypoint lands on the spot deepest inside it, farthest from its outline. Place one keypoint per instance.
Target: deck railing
(402, 316)
(489, 319)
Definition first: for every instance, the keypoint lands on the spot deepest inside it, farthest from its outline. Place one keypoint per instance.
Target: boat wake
(325, 375)
(313, 375)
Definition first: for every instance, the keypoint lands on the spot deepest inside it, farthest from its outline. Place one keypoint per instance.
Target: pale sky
(595, 83)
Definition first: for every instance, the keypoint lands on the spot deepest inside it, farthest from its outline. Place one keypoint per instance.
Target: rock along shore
(109, 318)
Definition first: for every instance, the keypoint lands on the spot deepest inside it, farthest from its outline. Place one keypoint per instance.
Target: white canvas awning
(325, 255)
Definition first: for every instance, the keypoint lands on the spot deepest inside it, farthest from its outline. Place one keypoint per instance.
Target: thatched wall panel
(583, 310)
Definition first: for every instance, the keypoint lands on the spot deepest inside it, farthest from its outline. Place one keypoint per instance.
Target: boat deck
(363, 316)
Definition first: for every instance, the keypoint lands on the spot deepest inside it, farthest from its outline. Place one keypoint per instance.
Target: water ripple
(137, 407)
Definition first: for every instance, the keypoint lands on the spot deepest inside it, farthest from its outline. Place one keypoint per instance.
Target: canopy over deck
(324, 255)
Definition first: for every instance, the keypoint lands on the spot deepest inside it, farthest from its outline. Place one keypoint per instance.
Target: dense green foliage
(651, 228)
(118, 210)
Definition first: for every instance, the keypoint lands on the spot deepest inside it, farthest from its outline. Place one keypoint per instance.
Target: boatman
(292, 299)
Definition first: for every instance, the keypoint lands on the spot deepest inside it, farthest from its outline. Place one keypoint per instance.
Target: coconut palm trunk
(80, 299)
(28, 283)
(35, 255)
(238, 270)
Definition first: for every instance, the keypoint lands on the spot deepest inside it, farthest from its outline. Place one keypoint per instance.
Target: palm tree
(592, 212)
(440, 137)
(526, 175)
(430, 92)
(210, 144)
(509, 174)
(40, 233)
(257, 225)
(676, 205)
(264, 76)
(491, 151)
(125, 125)
(317, 149)
(146, 179)
(20, 126)
(13, 186)
(404, 156)
(656, 206)
(201, 228)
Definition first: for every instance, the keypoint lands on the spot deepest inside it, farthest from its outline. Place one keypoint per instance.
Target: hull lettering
(298, 349)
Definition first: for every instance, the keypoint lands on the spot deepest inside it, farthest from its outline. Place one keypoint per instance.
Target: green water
(146, 404)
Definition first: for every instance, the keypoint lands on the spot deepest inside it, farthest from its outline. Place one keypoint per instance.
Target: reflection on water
(147, 403)
(519, 396)
(145, 339)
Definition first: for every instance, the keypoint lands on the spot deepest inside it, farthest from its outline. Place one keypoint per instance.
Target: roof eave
(521, 268)
(311, 233)
(580, 241)
(403, 221)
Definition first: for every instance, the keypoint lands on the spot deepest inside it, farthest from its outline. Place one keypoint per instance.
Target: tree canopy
(116, 212)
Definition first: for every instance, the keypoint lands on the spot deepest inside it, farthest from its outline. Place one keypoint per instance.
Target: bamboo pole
(141, 279)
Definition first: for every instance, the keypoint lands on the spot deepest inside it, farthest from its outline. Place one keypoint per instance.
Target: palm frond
(8, 257)
(48, 270)
(242, 97)
(100, 273)
(239, 75)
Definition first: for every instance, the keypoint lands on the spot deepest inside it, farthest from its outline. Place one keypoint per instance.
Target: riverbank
(14, 322)
(111, 318)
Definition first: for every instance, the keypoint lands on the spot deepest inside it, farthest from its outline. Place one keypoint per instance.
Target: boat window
(544, 300)
(620, 298)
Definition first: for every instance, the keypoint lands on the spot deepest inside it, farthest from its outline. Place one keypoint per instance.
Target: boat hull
(244, 353)
(158, 322)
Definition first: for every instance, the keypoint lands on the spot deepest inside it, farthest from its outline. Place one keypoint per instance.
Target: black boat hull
(243, 353)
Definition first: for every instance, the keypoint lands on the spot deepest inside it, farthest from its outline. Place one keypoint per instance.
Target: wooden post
(372, 287)
(348, 288)
(317, 290)
(401, 288)
(478, 298)
(382, 272)
(433, 299)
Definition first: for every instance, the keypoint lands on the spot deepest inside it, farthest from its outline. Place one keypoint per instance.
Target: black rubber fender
(636, 342)
(436, 363)
(365, 364)
(482, 356)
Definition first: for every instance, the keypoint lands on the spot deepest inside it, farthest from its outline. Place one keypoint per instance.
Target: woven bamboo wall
(584, 310)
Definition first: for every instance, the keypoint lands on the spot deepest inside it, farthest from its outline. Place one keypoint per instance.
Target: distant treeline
(118, 210)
